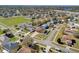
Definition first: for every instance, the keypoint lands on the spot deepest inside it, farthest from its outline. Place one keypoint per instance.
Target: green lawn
(13, 39)
(1, 32)
(26, 30)
(14, 20)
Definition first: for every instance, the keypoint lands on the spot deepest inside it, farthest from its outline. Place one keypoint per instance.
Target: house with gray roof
(11, 47)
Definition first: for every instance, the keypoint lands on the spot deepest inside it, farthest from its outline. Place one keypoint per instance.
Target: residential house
(11, 47)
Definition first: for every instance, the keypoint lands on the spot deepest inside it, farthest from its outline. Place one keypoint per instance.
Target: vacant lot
(14, 20)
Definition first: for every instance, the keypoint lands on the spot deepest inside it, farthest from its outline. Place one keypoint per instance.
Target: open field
(14, 20)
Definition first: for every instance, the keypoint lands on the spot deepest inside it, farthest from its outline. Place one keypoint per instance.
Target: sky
(39, 2)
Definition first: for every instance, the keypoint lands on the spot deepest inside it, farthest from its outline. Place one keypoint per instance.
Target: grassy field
(14, 20)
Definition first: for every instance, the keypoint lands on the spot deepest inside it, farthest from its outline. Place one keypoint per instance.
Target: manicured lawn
(13, 39)
(14, 20)
(1, 32)
(26, 30)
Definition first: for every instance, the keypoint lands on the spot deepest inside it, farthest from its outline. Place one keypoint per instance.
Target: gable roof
(25, 50)
(10, 46)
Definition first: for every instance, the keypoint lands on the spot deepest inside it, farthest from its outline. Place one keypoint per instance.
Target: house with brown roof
(26, 50)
